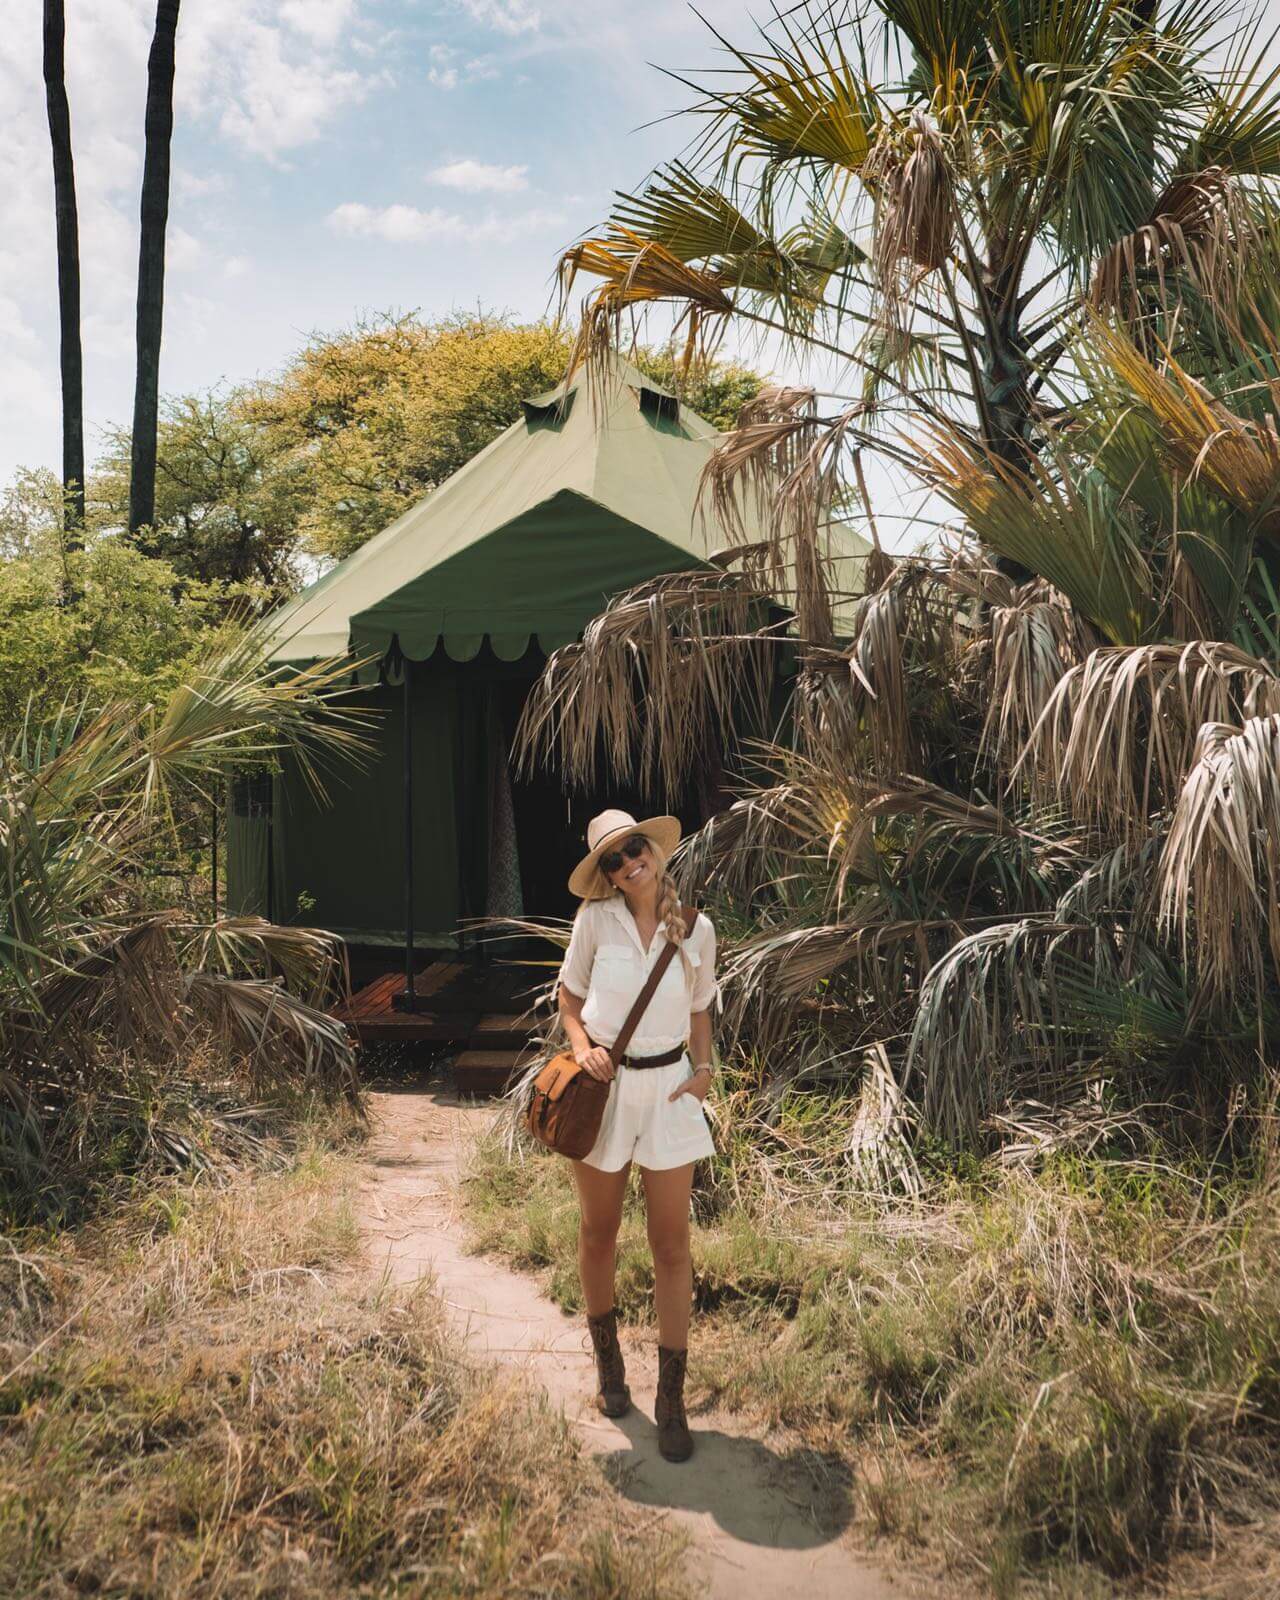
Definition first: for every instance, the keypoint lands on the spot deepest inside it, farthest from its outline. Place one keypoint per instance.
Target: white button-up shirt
(606, 965)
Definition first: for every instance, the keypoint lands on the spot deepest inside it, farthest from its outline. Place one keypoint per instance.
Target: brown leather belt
(636, 1063)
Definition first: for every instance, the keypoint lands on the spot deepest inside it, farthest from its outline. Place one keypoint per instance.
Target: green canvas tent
(460, 601)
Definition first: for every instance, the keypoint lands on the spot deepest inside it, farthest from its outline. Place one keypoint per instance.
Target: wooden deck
(483, 1010)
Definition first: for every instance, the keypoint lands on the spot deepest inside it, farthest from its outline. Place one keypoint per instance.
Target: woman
(654, 1114)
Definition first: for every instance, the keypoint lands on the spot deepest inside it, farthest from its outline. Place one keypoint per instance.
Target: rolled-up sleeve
(575, 969)
(706, 991)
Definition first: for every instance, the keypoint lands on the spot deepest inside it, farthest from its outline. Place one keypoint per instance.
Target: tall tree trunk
(155, 217)
(68, 233)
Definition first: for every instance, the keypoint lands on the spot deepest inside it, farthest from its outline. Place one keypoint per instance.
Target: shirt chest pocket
(675, 983)
(616, 971)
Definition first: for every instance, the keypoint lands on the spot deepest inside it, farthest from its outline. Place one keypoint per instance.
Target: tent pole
(410, 998)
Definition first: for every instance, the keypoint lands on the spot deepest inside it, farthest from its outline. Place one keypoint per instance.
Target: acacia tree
(68, 235)
(151, 251)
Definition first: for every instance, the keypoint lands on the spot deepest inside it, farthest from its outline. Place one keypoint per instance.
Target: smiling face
(630, 866)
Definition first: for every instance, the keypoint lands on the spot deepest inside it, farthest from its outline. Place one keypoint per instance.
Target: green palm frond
(691, 218)
(802, 100)
(1069, 526)
(1242, 129)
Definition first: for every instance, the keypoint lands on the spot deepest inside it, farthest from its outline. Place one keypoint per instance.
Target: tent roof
(594, 489)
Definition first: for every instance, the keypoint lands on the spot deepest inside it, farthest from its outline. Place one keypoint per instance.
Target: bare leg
(666, 1199)
(600, 1205)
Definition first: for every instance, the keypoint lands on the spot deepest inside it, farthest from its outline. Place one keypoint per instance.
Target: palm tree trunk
(68, 231)
(155, 217)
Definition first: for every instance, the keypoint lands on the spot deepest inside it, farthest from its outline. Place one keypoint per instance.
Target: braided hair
(670, 911)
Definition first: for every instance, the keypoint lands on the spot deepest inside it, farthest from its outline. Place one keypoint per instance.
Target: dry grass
(1066, 1378)
(200, 1400)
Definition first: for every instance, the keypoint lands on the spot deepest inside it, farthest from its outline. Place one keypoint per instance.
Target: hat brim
(589, 883)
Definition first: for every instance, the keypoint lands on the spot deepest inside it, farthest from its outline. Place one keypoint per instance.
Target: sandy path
(760, 1523)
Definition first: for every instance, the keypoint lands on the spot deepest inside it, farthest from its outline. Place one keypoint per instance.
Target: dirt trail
(760, 1523)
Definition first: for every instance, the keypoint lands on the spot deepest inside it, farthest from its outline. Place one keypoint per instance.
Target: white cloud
(182, 250)
(446, 69)
(322, 20)
(473, 176)
(197, 185)
(236, 266)
(272, 78)
(400, 224)
(511, 17)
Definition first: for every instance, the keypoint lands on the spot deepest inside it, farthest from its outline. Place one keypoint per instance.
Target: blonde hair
(670, 910)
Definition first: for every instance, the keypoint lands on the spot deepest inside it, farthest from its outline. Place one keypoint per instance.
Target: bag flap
(556, 1076)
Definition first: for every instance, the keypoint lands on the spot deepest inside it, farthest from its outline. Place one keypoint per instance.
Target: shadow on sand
(796, 1501)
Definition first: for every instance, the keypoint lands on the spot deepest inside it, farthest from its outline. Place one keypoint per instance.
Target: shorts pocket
(692, 1106)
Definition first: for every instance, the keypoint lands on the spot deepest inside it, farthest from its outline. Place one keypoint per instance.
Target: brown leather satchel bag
(567, 1104)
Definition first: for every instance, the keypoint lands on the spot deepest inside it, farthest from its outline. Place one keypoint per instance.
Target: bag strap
(618, 1048)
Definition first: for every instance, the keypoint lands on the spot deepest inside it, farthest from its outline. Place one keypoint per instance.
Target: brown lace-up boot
(614, 1398)
(675, 1442)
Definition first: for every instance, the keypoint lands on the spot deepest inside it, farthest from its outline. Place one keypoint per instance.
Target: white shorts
(642, 1125)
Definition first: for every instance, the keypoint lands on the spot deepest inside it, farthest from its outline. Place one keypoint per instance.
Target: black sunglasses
(631, 850)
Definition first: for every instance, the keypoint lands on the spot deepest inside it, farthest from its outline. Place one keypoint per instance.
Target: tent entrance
(486, 843)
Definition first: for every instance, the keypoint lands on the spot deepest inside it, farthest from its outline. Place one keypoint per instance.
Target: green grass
(200, 1399)
(1072, 1376)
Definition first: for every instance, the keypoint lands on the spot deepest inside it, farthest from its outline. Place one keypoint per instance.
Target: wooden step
(499, 1030)
(485, 1072)
(417, 1027)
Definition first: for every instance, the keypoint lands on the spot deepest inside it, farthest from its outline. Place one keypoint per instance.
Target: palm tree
(1019, 840)
(68, 233)
(154, 220)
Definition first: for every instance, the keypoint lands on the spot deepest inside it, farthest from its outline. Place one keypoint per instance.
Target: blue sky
(331, 158)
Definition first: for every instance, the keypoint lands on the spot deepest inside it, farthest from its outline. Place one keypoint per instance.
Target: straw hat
(605, 832)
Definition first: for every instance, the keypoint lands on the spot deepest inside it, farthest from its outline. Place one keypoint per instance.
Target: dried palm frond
(745, 849)
(639, 272)
(916, 218)
(770, 980)
(1199, 225)
(915, 213)
(989, 1008)
(1120, 730)
(783, 463)
(661, 676)
(1031, 1131)
(743, 472)
(1240, 458)
(859, 695)
(127, 990)
(1220, 872)
(312, 961)
(282, 1037)
(1033, 641)
(1116, 885)
(879, 1145)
